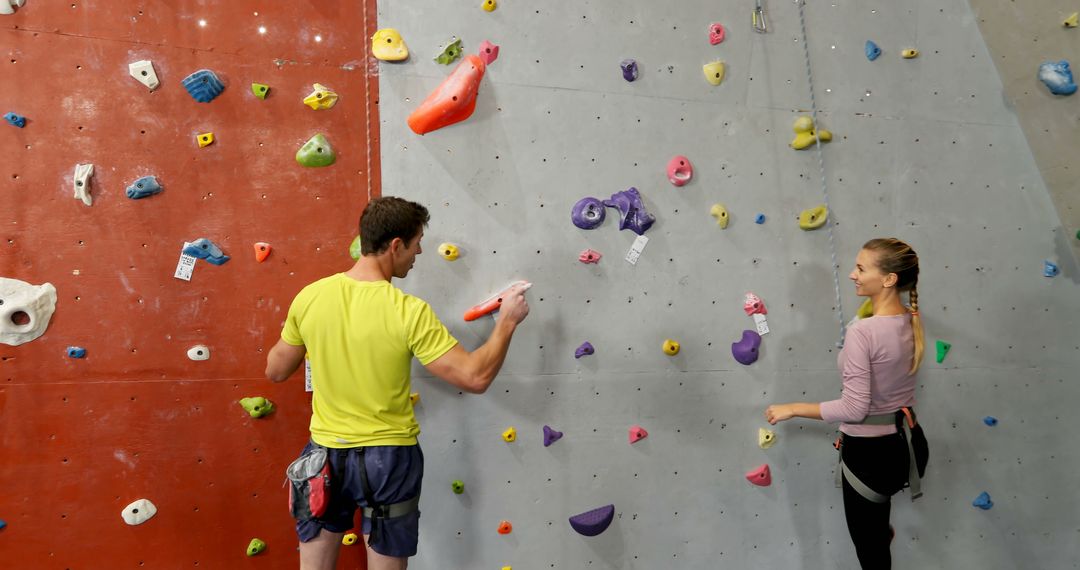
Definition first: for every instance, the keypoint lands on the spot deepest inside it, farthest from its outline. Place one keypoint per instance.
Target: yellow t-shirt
(360, 338)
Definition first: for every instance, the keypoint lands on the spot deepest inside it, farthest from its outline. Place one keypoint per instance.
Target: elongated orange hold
(262, 250)
(453, 101)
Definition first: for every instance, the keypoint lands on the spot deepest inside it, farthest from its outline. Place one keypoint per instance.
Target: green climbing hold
(1077, 234)
(866, 310)
(257, 406)
(316, 152)
(458, 486)
(354, 248)
(255, 546)
(260, 90)
(942, 349)
(450, 52)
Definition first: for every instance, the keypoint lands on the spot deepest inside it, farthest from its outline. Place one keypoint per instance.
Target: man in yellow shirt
(360, 334)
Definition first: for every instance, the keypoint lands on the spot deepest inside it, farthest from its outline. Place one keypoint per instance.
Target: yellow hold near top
(719, 212)
(321, 98)
(489, 5)
(910, 53)
(204, 139)
(510, 434)
(805, 134)
(813, 218)
(866, 310)
(714, 72)
(387, 45)
(765, 438)
(1072, 21)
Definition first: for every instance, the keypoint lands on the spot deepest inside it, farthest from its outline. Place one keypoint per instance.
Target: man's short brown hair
(389, 217)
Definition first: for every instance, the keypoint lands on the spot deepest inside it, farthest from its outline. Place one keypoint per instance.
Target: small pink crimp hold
(589, 256)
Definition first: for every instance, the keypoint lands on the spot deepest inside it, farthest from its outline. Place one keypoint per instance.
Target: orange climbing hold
(262, 250)
(505, 527)
(453, 101)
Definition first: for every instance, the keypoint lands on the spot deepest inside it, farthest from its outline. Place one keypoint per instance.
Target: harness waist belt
(904, 429)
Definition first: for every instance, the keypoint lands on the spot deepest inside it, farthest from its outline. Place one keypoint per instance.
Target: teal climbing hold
(316, 152)
(942, 349)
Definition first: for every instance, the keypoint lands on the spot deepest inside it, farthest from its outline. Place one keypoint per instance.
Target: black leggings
(882, 464)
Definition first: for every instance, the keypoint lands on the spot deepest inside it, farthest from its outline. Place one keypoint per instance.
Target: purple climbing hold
(746, 350)
(631, 210)
(594, 522)
(629, 69)
(585, 349)
(588, 213)
(551, 436)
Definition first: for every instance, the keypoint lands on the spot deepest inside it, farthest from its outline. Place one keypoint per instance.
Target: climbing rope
(821, 167)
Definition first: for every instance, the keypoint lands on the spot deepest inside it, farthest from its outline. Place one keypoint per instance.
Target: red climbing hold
(262, 250)
(637, 433)
(453, 101)
(761, 476)
(505, 527)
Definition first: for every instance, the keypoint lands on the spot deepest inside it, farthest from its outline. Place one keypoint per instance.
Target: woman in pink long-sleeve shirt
(878, 363)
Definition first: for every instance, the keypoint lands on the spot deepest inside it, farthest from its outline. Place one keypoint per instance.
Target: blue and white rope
(824, 184)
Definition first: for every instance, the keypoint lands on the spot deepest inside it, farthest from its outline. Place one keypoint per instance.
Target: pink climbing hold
(637, 433)
(716, 33)
(489, 52)
(761, 476)
(589, 256)
(754, 305)
(679, 170)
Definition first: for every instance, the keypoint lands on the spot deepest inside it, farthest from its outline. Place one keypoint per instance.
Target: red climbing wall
(80, 439)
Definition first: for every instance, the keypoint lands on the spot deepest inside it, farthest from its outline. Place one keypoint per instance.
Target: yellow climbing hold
(805, 134)
(671, 347)
(1073, 20)
(719, 212)
(204, 139)
(510, 434)
(414, 398)
(813, 218)
(866, 310)
(489, 5)
(714, 72)
(765, 438)
(321, 98)
(449, 251)
(349, 539)
(388, 45)
(910, 53)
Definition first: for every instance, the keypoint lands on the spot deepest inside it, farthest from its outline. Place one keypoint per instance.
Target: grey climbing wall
(924, 149)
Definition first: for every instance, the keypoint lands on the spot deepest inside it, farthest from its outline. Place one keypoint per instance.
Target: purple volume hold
(584, 350)
(746, 350)
(631, 210)
(588, 213)
(629, 69)
(594, 522)
(551, 436)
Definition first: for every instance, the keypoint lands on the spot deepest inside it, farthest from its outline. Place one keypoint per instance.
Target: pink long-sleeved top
(874, 364)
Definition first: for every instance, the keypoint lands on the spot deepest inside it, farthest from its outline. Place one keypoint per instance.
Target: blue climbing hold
(990, 421)
(983, 501)
(76, 352)
(15, 120)
(2, 524)
(872, 50)
(1057, 77)
(760, 219)
(203, 248)
(1050, 269)
(143, 187)
(203, 85)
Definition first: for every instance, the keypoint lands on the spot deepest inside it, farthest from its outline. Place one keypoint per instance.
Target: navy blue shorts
(394, 473)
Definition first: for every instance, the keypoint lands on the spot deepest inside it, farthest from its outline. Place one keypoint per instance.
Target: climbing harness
(310, 479)
(905, 422)
(380, 513)
(821, 167)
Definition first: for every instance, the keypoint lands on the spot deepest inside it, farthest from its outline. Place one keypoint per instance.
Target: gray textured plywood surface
(927, 150)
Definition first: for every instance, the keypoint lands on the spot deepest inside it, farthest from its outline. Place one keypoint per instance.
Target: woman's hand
(779, 412)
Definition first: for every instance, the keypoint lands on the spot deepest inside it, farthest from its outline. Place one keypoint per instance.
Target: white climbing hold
(139, 512)
(8, 6)
(25, 310)
(143, 72)
(81, 181)
(199, 352)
